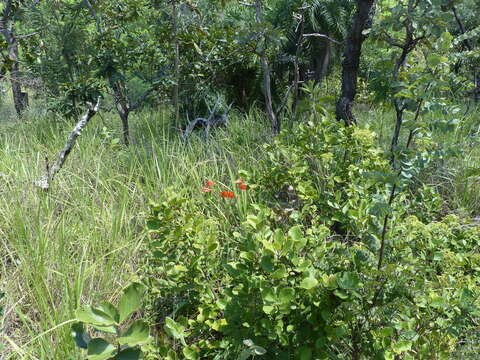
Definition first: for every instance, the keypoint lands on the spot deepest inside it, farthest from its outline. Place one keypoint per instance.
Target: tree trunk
(20, 98)
(266, 75)
(351, 62)
(296, 65)
(176, 89)
(123, 106)
(125, 129)
(326, 59)
(399, 109)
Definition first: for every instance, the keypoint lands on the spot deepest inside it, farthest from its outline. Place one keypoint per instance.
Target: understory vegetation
(293, 259)
(238, 180)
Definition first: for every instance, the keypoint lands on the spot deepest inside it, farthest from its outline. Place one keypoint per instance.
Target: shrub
(300, 278)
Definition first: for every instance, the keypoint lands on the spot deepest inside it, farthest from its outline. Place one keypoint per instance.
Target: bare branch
(323, 36)
(44, 182)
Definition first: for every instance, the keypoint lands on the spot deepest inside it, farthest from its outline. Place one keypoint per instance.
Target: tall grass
(79, 242)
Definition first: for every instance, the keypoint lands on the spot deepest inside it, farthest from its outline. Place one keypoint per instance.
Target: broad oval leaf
(138, 333)
(94, 316)
(99, 349)
(131, 300)
(309, 283)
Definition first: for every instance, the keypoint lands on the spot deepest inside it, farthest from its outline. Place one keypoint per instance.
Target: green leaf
(137, 334)
(174, 329)
(109, 309)
(190, 353)
(267, 264)
(94, 316)
(402, 346)
(258, 350)
(342, 294)
(268, 309)
(348, 281)
(308, 283)
(99, 349)
(129, 354)
(154, 224)
(386, 332)
(296, 233)
(280, 273)
(107, 329)
(80, 336)
(131, 300)
(286, 295)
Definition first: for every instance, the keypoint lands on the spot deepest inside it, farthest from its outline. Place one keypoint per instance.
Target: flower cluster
(208, 187)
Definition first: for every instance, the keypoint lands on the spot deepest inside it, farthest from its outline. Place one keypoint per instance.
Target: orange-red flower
(209, 183)
(227, 194)
(206, 190)
(239, 181)
(243, 187)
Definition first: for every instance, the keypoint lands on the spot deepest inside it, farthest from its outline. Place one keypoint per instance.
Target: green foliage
(300, 276)
(111, 320)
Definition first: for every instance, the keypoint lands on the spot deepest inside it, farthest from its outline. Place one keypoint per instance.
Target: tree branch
(323, 36)
(45, 181)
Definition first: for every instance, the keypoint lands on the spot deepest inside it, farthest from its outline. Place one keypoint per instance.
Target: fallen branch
(50, 172)
(214, 120)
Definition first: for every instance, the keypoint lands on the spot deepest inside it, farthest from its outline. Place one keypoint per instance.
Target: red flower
(206, 190)
(209, 183)
(243, 187)
(239, 181)
(227, 194)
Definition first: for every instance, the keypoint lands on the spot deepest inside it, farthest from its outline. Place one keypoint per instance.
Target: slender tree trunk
(407, 47)
(326, 59)
(176, 89)
(296, 64)
(399, 104)
(351, 61)
(266, 74)
(123, 106)
(117, 84)
(20, 98)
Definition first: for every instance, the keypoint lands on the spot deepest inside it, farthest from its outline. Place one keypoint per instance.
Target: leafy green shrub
(327, 172)
(301, 277)
(108, 319)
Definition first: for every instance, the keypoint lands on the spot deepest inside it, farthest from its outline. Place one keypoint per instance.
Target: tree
(362, 21)
(9, 12)
(119, 43)
(261, 51)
